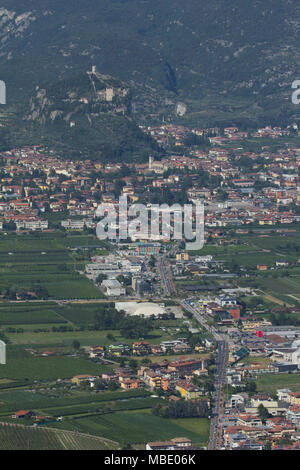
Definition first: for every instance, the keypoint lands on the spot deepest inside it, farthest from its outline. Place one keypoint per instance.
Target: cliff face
(86, 116)
(85, 96)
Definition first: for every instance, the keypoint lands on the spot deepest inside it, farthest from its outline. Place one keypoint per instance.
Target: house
(152, 378)
(188, 365)
(108, 376)
(294, 398)
(119, 349)
(262, 267)
(96, 351)
(128, 384)
(249, 420)
(282, 263)
(79, 379)
(178, 443)
(188, 391)
(23, 414)
(283, 394)
(293, 414)
(156, 349)
(140, 348)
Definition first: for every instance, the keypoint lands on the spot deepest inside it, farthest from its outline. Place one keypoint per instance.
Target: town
(195, 349)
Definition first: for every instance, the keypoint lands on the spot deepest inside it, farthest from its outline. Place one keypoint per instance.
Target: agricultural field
(272, 382)
(60, 399)
(86, 338)
(256, 249)
(13, 437)
(282, 285)
(49, 261)
(141, 426)
(22, 365)
(29, 314)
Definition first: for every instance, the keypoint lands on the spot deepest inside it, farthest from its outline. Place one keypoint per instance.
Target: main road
(165, 272)
(217, 411)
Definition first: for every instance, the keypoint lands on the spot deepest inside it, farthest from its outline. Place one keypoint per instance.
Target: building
(262, 267)
(78, 379)
(23, 414)
(178, 443)
(148, 248)
(188, 391)
(2, 353)
(112, 288)
(119, 349)
(188, 365)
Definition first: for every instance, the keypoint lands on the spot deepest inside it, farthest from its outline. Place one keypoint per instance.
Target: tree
(263, 413)
(76, 345)
(133, 364)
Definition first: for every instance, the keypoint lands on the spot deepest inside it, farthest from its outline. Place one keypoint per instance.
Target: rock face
(85, 96)
(85, 117)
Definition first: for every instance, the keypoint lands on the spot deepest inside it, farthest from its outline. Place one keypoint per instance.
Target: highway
(215, 438)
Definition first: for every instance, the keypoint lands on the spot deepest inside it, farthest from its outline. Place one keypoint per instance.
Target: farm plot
(141, 426)
(28, 262)
(13, 437)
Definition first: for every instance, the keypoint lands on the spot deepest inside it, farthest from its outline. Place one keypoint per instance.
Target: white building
(2, 353)
(33, 224)
(237, 400)
(113, 288)
(284, 394)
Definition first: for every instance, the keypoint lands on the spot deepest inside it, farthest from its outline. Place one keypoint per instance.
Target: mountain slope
(225, 60)
(86, 116)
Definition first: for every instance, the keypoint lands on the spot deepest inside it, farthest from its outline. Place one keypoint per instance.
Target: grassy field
(57, 401)
(47, 260)
(22, 365)
(141, 426)
(29, 314)
(282, 285)
(86, 338)
(256, 360)
(15, 437)
(272, 382)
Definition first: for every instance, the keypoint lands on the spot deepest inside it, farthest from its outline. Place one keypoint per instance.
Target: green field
(57, 401)
(22, 365)
(18, 438)
(141, 426)
(282, 285)
(46, 260)
(29, 314)
(272, 382)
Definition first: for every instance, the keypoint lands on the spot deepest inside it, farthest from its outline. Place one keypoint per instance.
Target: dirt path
(275, 300)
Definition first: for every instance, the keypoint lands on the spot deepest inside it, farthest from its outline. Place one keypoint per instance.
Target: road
(165, 272)
(216, 432)
(215, 437)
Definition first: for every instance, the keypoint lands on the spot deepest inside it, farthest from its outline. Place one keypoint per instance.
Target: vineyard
(15, 437)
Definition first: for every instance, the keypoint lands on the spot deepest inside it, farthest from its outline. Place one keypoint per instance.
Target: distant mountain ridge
(195, 62)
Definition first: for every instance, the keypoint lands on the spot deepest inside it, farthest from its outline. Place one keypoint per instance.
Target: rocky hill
(195, 61)
(87, 116)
